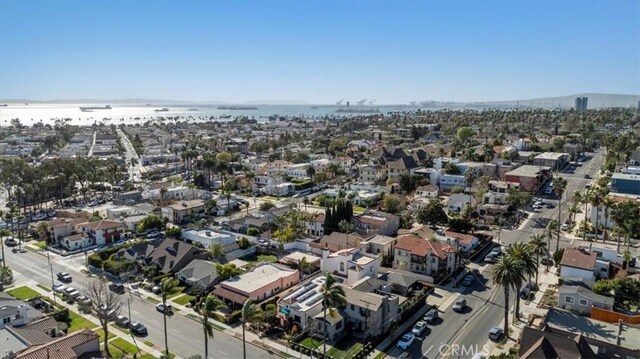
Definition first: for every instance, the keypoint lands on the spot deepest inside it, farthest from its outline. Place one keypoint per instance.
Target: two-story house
(183, 211)
(350, 265)
(102, 232)
(428, 257)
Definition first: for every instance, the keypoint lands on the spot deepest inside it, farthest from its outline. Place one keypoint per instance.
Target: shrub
(62, 315)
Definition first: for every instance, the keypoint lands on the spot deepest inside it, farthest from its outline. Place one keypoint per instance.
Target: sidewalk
(527, 309)
(117, 333)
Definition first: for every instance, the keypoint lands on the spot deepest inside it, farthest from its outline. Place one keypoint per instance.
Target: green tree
(391, 204)
(538, 247)
(333, 297)
(464, 133)
(228, 270)
(174, 232)
(167, 286)
(151, 222)
(266, 205)
(433, 214)
(523, 255)
(506, 274)
(207, 306)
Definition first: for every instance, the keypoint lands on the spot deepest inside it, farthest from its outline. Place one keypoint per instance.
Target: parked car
(138, 328)
(82, 300)
(460, 305)
(59, 287)
(156, 289)
(496, 251)
(406, 341)
(64, 277)
(490, 258)
(166, 310)
(117, 288)
(564, 227)
(419, 328)
(495, 333)
(153, 234)
(525, 292)
(546, 260)
(431, 315)
(103, 311)
(122, 321)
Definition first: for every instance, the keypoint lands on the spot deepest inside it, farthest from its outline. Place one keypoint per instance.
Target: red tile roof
(461, 237)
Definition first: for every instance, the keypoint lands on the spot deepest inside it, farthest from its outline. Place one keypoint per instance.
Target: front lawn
(358, 210)
(153, 300)
(345, 349)
(311, 343)
(183, 300)
(115, 352)
(41, 244)
(124, 345)
(79, 322)
(23, 293)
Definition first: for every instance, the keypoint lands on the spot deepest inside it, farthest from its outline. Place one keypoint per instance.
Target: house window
(569, 300)
(353, 307)
(6, 320)
(341, 266)
(582, 302)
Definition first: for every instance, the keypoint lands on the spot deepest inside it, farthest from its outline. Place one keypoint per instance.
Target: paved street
(185, 335)
(131, 154)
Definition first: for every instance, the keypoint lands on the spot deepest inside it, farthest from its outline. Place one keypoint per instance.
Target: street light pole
(51, 270)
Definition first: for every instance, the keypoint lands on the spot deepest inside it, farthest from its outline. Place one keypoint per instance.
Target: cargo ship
(164, 109)
(91, 108)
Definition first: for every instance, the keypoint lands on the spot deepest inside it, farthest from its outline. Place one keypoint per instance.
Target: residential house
(17, 338)
(280, 189)
(62, 227)
(441, 162)
(16, 312)
(428, 257)
(376, 222)
(336, 241)
(457, 201)
(432, 174)
(315, 226)
(465, 242)
(371, 174)
(76, 241)
(378, 244)
(184, 211)
(167, 255)
(81, 344)
(530, 178)
(261, 283)
(402, 166)
(428, 191)
(578, 297)
(102, 232)
(302, 304)
(577, 263)
(127, 198)
(448, 182)
(293, 260)
(369, 314)
(208, 237)
(199, 274)
(350, 265)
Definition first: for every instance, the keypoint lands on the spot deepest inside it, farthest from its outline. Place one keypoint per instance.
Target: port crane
(340, 102)
(361, 102)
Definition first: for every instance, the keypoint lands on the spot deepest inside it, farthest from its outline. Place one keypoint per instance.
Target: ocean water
(47, 113)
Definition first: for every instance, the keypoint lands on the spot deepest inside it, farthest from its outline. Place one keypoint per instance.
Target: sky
(318, 51)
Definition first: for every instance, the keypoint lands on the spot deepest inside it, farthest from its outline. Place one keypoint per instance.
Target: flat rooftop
(595, 329)
(626, 176)
(258, 278)
(551, 155)
(527, 171)
(307, 296)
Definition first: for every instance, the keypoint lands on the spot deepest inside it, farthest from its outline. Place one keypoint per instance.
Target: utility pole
(51, 270)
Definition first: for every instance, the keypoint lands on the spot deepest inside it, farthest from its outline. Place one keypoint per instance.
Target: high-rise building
(581, 103)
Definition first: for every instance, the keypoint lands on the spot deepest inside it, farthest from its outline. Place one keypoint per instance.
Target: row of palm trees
(519, 264)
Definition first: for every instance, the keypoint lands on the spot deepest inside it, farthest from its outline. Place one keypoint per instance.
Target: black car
(138, 328)
(117, 288)
(64, 277)
(10, 242)
(525, 292)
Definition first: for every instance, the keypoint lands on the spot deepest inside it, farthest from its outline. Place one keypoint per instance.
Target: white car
(406, 341)
(59, 288)
(564, 227)
(419, 328)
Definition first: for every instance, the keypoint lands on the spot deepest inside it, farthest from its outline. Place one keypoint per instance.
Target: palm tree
(167, 286)
(539, 247)
(608, 204)
(332, 297)
(523, 255)
(559, 185)
(595, 199)
(507, 274)
(3, 233)
(249, 313)
(208, 305)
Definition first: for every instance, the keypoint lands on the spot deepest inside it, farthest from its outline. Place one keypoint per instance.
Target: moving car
(166, 310)
(117, 288)
(64, 277)
(10, 242)
(431, 315)
(122, 321)
(138, 328)
(495, 333)
(459, 305)
(406, 341)
(419, 328)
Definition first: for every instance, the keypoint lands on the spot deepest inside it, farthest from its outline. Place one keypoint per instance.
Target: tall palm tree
(523, 255)
(249, 313)
(559, 185)
(507, 274)
(539, 247)
(595, 198)
(332, 297)
(208, 305)
(608, 204)
(167, 286)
